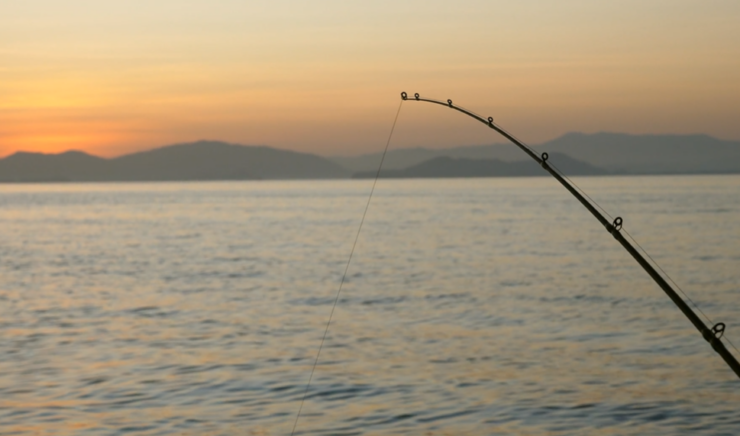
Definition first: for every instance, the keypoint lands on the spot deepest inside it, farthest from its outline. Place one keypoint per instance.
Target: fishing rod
(712, 335)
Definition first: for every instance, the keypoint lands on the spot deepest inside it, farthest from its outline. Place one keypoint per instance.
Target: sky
(325, 76)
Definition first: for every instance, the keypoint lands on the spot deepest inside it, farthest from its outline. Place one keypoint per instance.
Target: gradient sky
(324, 76)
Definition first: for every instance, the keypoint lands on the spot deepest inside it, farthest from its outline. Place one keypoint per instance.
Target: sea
(490, 306)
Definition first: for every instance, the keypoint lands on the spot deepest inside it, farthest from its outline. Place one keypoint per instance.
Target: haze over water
(472, 306)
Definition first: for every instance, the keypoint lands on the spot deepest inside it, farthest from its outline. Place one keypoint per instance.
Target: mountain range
(202, 160)
(616, 153)
(573, 153)
(444, 166)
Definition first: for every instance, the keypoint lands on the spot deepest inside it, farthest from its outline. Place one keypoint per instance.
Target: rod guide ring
(404, 95)
(718, 330)
(617, 224)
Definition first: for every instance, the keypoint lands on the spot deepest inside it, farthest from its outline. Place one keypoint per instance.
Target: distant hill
(444, 166)
(615, 152)
(397, 159)
(63, 167)
(202, 160)
(650, 154)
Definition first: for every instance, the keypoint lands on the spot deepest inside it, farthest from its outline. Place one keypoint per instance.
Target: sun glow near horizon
(325, 77)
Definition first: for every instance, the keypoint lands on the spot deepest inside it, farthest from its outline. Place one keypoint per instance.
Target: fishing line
(582, 191)
(713, 335)
(696, 306)
(652, 260)
(531, 150)
(561, 173)
(346, 268)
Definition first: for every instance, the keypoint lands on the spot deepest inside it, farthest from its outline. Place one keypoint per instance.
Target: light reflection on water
(485, 306)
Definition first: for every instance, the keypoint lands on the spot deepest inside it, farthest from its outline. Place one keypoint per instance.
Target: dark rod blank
(713, 335)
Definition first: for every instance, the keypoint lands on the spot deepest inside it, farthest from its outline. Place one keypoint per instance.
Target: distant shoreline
(350, 179)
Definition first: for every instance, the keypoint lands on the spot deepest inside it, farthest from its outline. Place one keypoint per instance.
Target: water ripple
(472, 307)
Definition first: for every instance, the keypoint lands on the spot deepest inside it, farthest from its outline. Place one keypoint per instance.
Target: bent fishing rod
(712, 335)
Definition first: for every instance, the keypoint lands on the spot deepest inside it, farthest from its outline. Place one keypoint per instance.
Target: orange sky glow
(325, 76)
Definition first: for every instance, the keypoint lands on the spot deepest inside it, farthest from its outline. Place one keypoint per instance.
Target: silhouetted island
(444, 166)
(617, 153)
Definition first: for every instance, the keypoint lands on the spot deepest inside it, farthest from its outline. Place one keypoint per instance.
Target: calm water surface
(478, 307)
